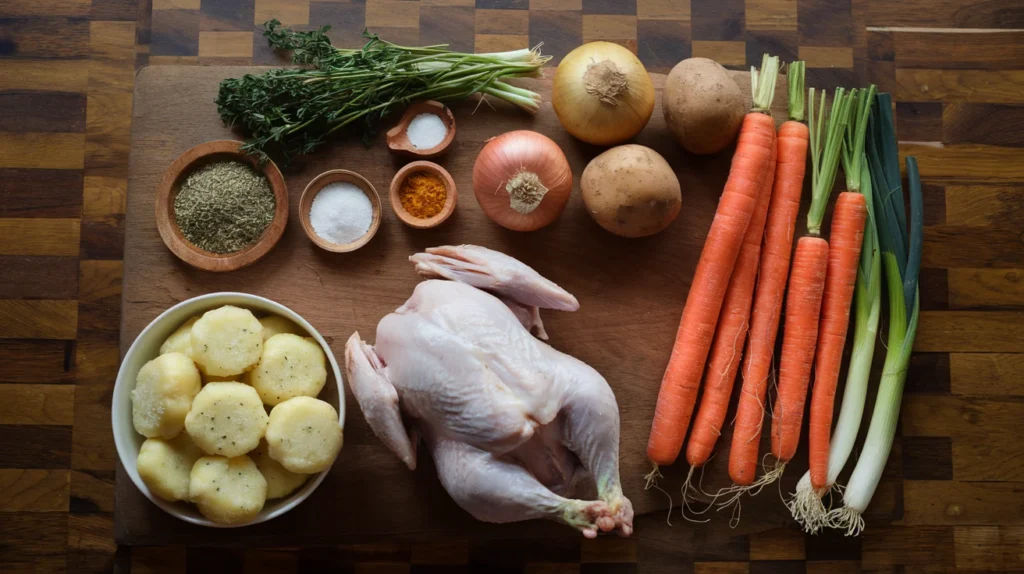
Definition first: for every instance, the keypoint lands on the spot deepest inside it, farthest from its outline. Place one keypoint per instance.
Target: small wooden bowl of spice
(425, 131)
(219, 209)
(340, 211)
(423, 194)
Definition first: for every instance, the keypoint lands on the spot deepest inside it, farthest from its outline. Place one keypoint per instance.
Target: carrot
(806, 285)
(845, 240)
(771, 283)
(681, 382)
(727, 348)
(803, 305)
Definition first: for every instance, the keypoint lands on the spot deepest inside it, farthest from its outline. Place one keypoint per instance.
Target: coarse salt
(341, 213)
(426, 131)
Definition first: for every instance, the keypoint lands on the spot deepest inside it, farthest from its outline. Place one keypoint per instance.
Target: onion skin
(602, 94)
(505, 157)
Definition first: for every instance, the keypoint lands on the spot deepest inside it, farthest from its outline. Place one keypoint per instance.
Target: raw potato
(291, 366)
(227, 419)
(275, 325)
(631, 191)
(163, 393)
(703, 105)
(227, 341)
(280, 481)
(166, 465)
(180, 340)
(304, 435)
(228, 490)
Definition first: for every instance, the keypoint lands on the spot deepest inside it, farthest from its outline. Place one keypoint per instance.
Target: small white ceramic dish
(146, 347)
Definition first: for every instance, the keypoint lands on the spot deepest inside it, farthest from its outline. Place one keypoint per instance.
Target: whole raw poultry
(517, 429)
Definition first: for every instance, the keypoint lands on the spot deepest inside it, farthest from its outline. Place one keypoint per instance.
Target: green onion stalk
(901, 258)
(292, 111)
(806, 504)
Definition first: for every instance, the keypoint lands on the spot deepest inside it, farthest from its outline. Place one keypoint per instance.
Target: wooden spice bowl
(315, 186)
(199, 156)
(451, 197)
(398, 137)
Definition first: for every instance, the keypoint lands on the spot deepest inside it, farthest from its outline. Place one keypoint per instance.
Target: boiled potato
(280, 481)
(180, 340)
(163, 394)
(228, 490)
(227, 419)
(631, 191)
(243, 378)
(275, 325)
(703, 105)
(227, 341)
(166, 465)
(304, 435)
(290, 366)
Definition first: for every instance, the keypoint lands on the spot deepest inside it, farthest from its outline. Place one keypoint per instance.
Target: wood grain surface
(954, 66)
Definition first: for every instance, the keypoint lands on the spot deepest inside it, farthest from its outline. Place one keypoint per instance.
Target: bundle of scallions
(900, 241)
(292, 111)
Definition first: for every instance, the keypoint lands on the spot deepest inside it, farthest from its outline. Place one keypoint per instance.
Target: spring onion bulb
(901, 258)
(602, 94)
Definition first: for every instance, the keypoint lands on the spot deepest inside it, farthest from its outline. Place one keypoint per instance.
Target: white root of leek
(806, 504)
(882, 430)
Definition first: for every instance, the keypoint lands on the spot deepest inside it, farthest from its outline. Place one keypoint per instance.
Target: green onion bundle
(901, 257)
(292, 111)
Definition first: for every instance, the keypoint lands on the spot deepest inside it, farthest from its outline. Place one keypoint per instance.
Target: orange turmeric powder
(422, 195)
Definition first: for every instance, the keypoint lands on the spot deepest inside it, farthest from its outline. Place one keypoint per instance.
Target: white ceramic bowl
(146, 347)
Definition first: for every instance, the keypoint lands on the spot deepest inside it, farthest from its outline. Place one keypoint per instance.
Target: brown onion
(522, 180)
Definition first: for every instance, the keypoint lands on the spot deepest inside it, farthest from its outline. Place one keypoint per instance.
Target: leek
(901, 258)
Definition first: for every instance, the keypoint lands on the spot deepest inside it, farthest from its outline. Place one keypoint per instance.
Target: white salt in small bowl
(317, 185)
(398, 136)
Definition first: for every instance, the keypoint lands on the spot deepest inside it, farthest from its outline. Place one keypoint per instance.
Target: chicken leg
(494, 489)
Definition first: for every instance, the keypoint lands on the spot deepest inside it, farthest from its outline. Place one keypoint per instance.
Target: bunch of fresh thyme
(292, 111)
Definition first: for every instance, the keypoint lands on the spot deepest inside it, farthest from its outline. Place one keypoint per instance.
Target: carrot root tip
(651, 479)
(686, 490)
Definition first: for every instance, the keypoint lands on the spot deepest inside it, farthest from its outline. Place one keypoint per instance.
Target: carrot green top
(795, 77)
(856, 131)
(762, 84)
(825, 154)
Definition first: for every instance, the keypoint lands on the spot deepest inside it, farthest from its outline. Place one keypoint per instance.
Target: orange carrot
(771, 284)
(803, 305)
(806, 285)
(681, 382)
(843, 257)
(727, 349)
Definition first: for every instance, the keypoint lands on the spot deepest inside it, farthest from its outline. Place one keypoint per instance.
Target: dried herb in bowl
(292, 111)
(224, 207)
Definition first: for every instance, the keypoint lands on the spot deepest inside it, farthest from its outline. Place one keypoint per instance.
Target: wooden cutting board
(631, 293)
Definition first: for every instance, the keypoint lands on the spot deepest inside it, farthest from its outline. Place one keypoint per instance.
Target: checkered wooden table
(956, 69)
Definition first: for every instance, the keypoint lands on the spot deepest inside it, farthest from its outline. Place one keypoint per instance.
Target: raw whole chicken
(517, 429)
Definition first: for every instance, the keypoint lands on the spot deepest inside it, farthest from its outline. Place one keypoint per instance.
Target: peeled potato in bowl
(227, 341)
(162, 467)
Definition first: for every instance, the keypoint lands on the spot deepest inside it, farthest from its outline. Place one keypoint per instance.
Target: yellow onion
(522, 180)
(602, 93)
